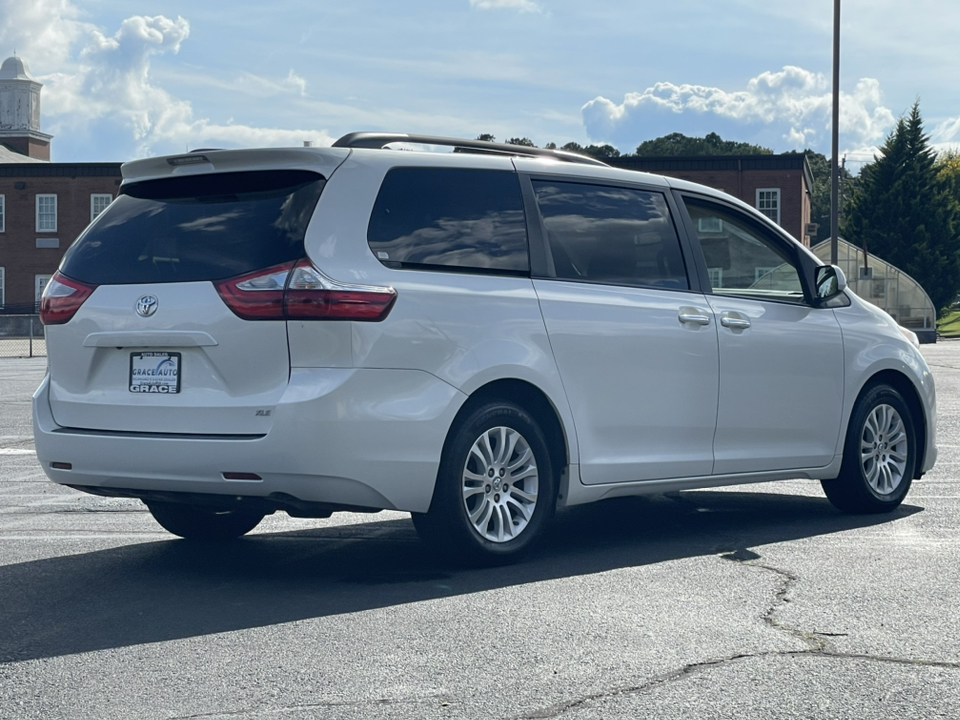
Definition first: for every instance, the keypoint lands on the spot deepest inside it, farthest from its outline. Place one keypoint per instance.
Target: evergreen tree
(902, 210)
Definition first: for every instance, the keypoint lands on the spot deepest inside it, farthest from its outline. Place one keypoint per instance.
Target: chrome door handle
(693, 316)
(735, 323)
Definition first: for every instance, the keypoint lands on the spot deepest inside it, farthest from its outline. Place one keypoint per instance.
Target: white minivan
(476, 337)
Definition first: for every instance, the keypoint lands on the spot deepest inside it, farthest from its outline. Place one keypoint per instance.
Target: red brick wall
(19, 254)
(794, 201)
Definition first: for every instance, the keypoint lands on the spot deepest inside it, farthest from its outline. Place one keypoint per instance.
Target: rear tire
(206, 524)
(879, 455)
(495, 490)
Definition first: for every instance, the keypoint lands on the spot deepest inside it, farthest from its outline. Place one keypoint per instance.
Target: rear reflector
(301, 292)
(241, 476)
(61, 466)
(62, 298)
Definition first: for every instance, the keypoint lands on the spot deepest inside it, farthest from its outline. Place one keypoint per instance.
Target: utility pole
(835, 164)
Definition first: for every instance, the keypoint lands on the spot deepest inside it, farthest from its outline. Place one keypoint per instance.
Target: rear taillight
(257, 295)
(61, 299)
(301, 292)
(311, 295)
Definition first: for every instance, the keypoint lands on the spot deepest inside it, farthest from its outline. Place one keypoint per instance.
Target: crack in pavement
(817, 647)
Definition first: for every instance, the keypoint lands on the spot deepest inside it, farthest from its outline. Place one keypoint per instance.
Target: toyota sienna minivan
(474, 333)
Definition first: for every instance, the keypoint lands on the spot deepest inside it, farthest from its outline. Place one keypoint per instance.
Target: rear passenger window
(611, 235)
(450, 219)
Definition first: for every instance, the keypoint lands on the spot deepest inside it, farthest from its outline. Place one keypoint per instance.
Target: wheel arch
(533, 400)
(908, 391)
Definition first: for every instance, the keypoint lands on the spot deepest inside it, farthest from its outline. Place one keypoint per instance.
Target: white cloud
(947, 131)
(296, 81)
(523, 6)
(946, 136)
(791, 108)
(40, 31)
(105, 81)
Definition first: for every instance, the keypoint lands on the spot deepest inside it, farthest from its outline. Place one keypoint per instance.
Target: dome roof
(14, 68)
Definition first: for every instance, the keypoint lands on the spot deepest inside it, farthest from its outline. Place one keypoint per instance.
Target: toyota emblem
(147, 305)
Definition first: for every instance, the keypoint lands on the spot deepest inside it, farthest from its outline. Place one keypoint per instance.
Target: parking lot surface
(757, 601)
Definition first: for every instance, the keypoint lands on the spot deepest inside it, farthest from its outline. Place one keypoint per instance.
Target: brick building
(780, 186)
(43, 205)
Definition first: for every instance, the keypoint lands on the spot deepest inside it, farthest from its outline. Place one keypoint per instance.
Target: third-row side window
(611, 235)
(450, 218)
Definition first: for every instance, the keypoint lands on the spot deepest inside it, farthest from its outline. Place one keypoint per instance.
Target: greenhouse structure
(883, 285)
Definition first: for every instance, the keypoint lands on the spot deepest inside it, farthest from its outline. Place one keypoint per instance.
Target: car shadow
(157, 591)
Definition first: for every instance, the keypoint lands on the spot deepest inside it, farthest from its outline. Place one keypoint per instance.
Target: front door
(781, 360)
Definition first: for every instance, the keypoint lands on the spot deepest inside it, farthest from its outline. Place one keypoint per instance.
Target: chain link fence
(22, 336)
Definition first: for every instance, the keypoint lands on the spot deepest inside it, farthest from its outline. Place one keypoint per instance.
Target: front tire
(495, 490)
(206, 524)
(879, 455)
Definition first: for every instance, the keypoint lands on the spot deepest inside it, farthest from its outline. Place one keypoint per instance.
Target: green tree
(601, 152)
(902, 209)
(486, 137)
(525, 142)
(948, 170)
(820, 193)
(712, 144)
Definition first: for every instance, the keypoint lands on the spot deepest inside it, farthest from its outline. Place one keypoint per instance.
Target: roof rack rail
(378, 141)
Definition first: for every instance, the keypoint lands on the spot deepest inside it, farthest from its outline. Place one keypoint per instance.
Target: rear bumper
(358, 437)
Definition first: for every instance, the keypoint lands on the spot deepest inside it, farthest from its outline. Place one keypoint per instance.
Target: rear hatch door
(155, 348)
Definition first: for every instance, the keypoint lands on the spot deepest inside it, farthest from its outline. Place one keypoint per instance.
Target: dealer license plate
(155, 372)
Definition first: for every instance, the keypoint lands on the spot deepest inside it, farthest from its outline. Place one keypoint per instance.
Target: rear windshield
(200, 227)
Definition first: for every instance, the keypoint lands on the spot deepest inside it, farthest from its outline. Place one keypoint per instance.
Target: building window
(3, 218)
(768, 202)
(46, 213)
(710, 225)
(41, 284)
(98, 203)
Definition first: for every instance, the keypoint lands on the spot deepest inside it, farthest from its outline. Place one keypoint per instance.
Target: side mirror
(830, 282)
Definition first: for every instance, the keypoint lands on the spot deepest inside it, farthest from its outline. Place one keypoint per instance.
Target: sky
(132, 78)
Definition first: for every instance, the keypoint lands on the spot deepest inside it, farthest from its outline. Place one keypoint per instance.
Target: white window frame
(716, 277)
(710, 225)
(105, 198)
(39, 284)
(769, 204)
(762, 270)
(43, 218)
(3, 217)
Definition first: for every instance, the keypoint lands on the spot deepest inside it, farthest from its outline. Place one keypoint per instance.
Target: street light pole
(835, 165)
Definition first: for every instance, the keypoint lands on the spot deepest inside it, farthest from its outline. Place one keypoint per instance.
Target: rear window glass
(199, 227)
(450, 219)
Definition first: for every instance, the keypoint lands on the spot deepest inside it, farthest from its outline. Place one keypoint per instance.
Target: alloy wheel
(883, 449)
(500, 484)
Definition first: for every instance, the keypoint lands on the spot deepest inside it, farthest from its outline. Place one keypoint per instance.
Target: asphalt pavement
(756, 601)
